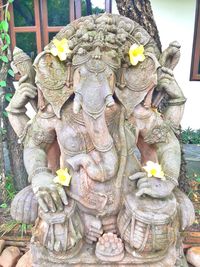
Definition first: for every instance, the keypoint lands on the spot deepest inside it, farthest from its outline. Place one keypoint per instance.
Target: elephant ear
(51, 78)
(136, 81)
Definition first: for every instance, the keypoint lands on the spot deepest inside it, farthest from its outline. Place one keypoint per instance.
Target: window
(35, 22)
(25, 26)
(54, 17)
(195, 66)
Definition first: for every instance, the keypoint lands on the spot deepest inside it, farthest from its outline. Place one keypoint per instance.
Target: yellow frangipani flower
(60, 49)
(154, 169)
(62, 177)
(136, 54)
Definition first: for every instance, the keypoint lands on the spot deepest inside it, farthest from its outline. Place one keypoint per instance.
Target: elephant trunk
(103, 143)
(93, 93)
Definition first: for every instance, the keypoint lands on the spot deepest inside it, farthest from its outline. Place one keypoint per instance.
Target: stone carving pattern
(96, 110)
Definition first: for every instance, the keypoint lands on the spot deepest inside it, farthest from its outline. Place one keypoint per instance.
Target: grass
(190, 136)
(194, 195)
(10, 191)
(19, 229)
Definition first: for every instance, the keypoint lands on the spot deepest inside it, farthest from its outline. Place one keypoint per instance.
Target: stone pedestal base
(86, 257)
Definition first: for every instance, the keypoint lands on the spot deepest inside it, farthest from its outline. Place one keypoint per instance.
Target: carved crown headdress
(108, 32)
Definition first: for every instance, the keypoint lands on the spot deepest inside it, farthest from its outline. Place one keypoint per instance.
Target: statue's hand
(22, 95)
(166, 82)
(50, 196)
(154, 187)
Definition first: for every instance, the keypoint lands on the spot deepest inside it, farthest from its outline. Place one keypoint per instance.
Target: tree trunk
(15, 152)
(2, 162)
(3, 76)
(141, 12)
(18, 172)
(8, 139)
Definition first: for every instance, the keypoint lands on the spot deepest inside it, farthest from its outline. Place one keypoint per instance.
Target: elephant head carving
(98, 65)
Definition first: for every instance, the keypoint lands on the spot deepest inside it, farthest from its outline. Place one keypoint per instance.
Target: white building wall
(175, 21)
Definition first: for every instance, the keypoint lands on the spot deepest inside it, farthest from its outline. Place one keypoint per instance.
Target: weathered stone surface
(9, 257)
(97, 102)
(193, 256)
(25, 260)
(2, 245)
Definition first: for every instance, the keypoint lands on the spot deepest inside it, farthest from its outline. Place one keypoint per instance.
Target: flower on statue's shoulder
(136, 54)
(63, 177)
(60, 48)
(154, 170)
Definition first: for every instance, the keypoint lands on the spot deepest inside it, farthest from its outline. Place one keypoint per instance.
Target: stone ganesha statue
(99, 83)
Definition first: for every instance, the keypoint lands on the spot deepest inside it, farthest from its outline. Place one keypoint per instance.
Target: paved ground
(192, 152)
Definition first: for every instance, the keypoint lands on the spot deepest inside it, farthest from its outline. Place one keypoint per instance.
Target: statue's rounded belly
(93, 197)
(71, 142)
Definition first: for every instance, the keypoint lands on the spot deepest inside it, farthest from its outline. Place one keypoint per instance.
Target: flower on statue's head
(60, 49)
(136, 54)
(63, 177)
(154, 170)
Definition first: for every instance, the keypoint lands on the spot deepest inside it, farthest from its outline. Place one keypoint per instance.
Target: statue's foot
(110, 248)
(109, 224)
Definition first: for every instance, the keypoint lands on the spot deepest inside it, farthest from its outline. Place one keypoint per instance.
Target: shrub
(190, 136)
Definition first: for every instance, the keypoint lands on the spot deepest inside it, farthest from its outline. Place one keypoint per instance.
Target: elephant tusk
(109, 101)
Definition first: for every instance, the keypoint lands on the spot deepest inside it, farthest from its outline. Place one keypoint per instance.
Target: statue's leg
(109, 224)
(92, 227)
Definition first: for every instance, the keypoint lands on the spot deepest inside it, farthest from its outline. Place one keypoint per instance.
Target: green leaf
(4, 206)
(7, 15)
(4, 25)
(10, 1)
(2, 34)
(11, 72)
(7, 37)
(2, 83)
(198, 179)
(2, 131)
(8, 97)
(4, 47)
(4, 59)
(5, 113)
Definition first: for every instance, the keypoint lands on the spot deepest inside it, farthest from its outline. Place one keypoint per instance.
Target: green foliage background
(190, 136)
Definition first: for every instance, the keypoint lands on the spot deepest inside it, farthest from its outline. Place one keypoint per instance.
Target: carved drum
(60, 232)
(148, 225)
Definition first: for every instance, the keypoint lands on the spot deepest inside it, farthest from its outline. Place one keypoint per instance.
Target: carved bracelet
(39, 170)
(171, 179)
(11, 110)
